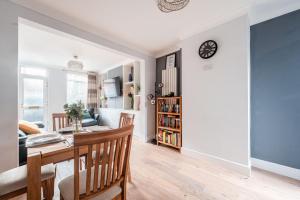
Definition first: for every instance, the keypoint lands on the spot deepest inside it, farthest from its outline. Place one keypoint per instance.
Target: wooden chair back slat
(103, 167)
(121, 157)
(116, 145)
(110, 162)
(61, 120)
(116, 159)
(126, 119)
(96, 174)
(89, 168)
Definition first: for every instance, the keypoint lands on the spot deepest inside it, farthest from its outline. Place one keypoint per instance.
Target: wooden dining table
(45, 154)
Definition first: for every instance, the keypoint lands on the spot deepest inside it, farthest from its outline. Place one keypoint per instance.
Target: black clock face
(208, 49)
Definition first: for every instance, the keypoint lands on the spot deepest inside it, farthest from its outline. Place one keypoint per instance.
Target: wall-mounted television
(112, 87)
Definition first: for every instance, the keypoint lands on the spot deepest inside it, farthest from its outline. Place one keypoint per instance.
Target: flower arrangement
(75, 112)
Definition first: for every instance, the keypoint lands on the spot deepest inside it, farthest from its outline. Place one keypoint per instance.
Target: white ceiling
(59, 48)
(139, 24)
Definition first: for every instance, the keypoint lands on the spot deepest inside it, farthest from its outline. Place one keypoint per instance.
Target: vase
(76, 126)
(130, 76)
(132, 103)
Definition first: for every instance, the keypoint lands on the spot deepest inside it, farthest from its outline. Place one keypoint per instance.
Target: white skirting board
(237, 167)
(276, 168)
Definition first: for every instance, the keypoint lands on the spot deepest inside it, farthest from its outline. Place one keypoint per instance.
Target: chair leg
(124, 190)
(119, 197)
(48, 188)
(129, 174)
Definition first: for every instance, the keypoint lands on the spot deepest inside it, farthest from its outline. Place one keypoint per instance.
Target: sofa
(22, 144)
(90, 118)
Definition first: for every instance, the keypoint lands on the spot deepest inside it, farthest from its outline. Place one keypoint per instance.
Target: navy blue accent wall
(275, 90)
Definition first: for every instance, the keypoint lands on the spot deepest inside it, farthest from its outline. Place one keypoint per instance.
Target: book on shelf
(169, 121)
(168, 137)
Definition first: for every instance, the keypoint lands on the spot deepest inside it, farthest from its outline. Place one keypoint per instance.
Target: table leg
(34, 176)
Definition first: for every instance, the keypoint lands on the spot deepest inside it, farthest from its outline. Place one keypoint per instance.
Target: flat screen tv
(112, 87)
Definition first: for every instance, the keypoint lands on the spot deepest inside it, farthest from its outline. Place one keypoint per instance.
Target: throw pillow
(86, 115)
(28, 128)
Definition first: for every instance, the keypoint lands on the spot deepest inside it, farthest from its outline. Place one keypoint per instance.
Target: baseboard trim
(276, 168)
(237, 167)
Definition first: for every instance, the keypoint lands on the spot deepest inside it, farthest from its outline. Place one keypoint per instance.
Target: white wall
(8, 87)
(111, 117)
(215, 94)
(57, 92)
(9, 13)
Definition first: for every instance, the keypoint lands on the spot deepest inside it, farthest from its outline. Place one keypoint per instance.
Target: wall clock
(208, 49)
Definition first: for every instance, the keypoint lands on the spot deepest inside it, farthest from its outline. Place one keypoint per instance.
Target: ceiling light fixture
(171, 5)
(75, 64)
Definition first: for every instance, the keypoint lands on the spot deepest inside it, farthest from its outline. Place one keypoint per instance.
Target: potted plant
(74, 111)
(103, 101)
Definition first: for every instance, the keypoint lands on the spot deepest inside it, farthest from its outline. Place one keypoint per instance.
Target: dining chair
(62, 120)
(106, 179)
(14, 182)
(126, 119)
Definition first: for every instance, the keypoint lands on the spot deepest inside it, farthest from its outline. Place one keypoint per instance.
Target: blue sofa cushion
(89, 122)
(86, 115)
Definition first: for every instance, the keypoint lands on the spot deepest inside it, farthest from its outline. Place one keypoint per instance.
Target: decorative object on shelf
(75, 112)
(169, 121)
(208, 49)
(170, 61)
(103, 102)
(130, 95)
(171, 5)
(158, 88)
(130, 76)
(151, 98)
(75, 64)
(138, 87)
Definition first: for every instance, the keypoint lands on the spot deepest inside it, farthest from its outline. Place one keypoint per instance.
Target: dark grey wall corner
(161, 64)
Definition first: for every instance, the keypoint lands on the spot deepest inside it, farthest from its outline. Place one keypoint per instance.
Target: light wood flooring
(159, 173)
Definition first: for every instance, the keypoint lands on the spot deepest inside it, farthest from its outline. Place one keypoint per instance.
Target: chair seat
(15, 179)
(66, 187)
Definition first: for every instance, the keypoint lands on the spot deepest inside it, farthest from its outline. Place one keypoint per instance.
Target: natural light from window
(34, 71)
(77, 85)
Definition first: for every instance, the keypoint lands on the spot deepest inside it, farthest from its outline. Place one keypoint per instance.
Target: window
(34, 71)
(77, 85)
(33, 94)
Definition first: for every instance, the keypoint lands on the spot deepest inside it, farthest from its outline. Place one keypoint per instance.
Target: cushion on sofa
(28, 128)
(89, 122)
(86, 115)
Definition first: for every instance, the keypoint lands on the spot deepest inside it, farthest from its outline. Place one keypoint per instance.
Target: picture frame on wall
(170, 62)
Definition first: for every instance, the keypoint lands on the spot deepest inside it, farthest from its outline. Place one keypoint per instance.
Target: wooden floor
(160, 174)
